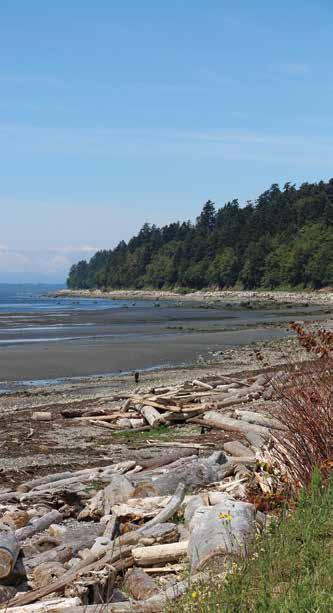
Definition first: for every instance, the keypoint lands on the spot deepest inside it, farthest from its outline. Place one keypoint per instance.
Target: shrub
(305, 396)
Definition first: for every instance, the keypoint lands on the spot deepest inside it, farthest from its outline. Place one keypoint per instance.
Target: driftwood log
(222, 531)
(116, 552)
(220, 421)
(152, 416)
(38, 525)
(9, 550)
(48, 606)
(159, 554)
(260, 420)
(193, 472)
(236, 448)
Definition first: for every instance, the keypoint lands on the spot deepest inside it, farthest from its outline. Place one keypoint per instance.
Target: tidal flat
(81, 342)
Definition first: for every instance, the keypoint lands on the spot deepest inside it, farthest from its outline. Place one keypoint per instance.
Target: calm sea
(27, 298)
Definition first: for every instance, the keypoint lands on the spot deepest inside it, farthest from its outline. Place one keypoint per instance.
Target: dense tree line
(283, 239)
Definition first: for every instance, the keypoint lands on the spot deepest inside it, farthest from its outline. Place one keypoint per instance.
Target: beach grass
(289, 570)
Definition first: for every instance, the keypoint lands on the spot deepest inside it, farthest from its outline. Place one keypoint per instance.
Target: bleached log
(139, 585)
(38, 525)
(28, 485)
(177, 445)
(123, 422)
(81, 535)
(225, 387)
(119, 468)
(223, 530)
(119, 490)
(152, 416)
(75, 483)
(232, 401)
(167, 458)
(126, 512)
(48, 606)
(9, 550)
(236, 448)
(260, 420)
(118, 550)
(103, 424)
(160, 534)
(205, 386)
(146, 401)
(93, 472)
(149, 502)
(137, 422)
(161, 570)
(220, 421)
(159, 554)
(100, 545)
(192, 472)
(194, 503)
(61, 553)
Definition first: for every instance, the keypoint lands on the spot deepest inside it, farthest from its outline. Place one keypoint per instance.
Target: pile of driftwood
(211, 401)
(118, 537)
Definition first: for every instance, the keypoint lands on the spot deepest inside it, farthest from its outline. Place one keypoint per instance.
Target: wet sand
(66, 344)
(112, 355)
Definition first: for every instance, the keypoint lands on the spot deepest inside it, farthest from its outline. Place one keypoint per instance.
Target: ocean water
(32, 298)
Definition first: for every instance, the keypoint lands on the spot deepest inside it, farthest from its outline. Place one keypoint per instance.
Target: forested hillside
(284, 238)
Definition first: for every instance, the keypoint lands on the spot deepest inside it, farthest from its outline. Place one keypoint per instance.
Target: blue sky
(116, 113)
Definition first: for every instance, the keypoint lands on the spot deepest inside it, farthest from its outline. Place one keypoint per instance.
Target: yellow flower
(225, 516)
(194, 595)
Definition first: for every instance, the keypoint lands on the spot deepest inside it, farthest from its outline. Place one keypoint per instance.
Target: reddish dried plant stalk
(305, 397)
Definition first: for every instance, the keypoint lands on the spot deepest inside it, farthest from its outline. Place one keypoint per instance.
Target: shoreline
(318, 297)
(50, 446)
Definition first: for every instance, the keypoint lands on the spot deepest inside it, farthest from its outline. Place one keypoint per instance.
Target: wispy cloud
(141, 144)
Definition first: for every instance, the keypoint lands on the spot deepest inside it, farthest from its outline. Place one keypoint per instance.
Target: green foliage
(284, 239)
(290, 568)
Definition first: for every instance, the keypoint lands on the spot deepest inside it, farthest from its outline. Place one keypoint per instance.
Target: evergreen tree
(285, 238)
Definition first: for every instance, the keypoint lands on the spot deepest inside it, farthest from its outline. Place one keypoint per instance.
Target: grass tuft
(290, 568)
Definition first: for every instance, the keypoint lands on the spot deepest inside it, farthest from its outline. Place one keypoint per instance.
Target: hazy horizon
(117, 114)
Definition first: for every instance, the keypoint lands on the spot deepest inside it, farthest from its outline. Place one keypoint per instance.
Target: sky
(116, 113)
